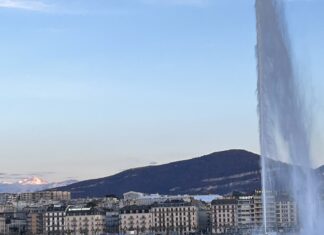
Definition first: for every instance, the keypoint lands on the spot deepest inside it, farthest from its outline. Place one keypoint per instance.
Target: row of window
(184, 209)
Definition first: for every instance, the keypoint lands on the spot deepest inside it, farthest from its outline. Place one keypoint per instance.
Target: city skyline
(90, 89)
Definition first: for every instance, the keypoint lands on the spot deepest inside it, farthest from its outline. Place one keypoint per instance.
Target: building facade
(84, 220)
(3, 229)
(45, 195)
(54, 220)
(135, 220)
(35, 222)
(174, 217)
(224, 215)
(286, 213)
(112, 221)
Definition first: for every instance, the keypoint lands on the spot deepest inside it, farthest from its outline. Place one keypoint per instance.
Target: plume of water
(284, 122)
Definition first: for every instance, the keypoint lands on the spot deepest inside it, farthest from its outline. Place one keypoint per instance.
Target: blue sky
(89, 88)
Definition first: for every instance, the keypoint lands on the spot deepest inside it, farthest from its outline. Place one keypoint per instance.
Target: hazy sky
(92, 87)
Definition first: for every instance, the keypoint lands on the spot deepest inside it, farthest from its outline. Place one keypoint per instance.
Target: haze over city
(89, 88)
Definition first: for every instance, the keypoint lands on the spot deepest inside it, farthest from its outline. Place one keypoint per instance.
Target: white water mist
(284, 121)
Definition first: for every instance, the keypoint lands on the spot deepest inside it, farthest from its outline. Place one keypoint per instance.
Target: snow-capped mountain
(32, 181)
(30, 184)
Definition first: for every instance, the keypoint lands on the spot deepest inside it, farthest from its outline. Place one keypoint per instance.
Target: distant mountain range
(220, 173)
(31, 184)
(217, 173)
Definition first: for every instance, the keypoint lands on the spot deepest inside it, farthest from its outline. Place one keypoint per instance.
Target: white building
(136, 198)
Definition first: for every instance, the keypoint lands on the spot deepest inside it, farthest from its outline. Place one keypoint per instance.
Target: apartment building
(174, 217)
(112, 221)
(45, 195)
(204, 217)
(3, 225)
(54, 217)
(224, 215)
(245, 211)
(8, 198)
(135, 220)
(286, 212)
(159, 218)
(257, 210)
(271, 210)
(35, 222)
(248, 213)
(7, 208)
(16, 223)
(84, 220)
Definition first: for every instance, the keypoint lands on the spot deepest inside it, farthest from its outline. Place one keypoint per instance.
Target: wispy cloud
(31, 5)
